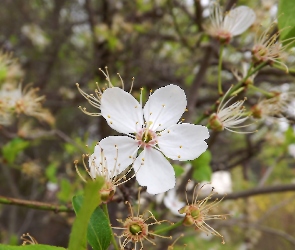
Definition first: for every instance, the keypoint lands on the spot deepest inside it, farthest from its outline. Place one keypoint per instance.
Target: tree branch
(257, 191)
(35, 205)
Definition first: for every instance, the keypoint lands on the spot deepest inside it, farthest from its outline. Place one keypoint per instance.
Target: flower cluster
(15, 100)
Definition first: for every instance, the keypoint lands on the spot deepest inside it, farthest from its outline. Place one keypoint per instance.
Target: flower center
(146, 137)
(195, 214)
(135, 229)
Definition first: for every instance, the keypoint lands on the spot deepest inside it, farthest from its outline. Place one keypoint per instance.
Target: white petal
(239, 20)
(154, 171)
(183, 141)
(172, 202)
(165, 107)
(96, 163)
(121, 110)
(122, 148)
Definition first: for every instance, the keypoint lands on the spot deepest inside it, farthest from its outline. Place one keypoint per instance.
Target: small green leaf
(202, 173)
(50, 172)
(90, 202)
(11, 149)
(65, 190)
(286, 20)
(30, 247)
(202, 168)
(99, 230)
(178, 170)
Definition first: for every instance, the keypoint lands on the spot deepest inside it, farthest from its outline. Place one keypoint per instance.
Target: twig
(257, 191)
(35, 205)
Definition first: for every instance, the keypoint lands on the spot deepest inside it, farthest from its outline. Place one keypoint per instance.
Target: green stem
(219, 70)
(165, 229)
(106, 212)
(266, 93)
(234, 88)
(35, 204)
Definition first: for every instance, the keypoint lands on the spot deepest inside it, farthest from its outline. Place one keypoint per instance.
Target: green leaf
(202, 169)
(99, 231)
(50, 172)
(286, 20)
(65, 190)
(178, 170)
(90, 202)
(30, 247)
(11, 149)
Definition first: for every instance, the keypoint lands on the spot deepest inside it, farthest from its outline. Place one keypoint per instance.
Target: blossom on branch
(197, 213)
(229, 117)
(273, 107)
(269, 48)
(136, 228)
(154, 130)
(233, 23)
(98, 166)
(95, 99)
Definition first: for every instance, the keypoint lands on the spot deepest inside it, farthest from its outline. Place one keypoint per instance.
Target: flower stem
(165, 229)
(266, 93)
(106, 212)
(233, 89)
(219, 70)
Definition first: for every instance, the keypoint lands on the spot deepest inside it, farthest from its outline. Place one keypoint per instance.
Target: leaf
(286, 20)
(99, 231)
(202, 173)
(50, 172)
(30, 247)
(65, 190)
(90, 202)
(202, 168)
(11, 149)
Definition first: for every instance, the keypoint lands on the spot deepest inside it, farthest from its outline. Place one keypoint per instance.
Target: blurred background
(54, 44)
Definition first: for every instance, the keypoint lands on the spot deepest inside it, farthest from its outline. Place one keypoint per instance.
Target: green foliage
(30, 247)
(99, 230)
(90, 202)
(178, 170)
(11, 149)
(289, 136)
(50, 172)
(286, 20)
(65, 190)
(202, 168)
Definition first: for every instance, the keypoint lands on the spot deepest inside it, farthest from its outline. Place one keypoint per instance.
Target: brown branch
(257, 191)
(35, 205)
(197, 82)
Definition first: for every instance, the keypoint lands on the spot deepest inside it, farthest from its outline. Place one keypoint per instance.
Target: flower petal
(165, 107)
(119, 152)
(96, 163)
(154, 171)
(121, 110)
(239, 20)
(172, 202)
(183, 141)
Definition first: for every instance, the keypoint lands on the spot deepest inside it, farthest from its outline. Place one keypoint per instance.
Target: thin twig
(35, 205)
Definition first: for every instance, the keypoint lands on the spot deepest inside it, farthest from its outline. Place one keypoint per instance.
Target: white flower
(154, 129)
(172, 202)
(229, 117)
(221, 182)
(269, 48)
(274, 107)
(233, 23)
